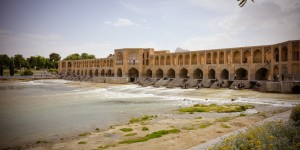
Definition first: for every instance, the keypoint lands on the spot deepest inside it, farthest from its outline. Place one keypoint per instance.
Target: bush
(295, 115)
(271, 135)
(27, 73)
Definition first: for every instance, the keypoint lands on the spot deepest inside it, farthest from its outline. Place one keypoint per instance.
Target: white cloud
(220, 40)
(122, 22)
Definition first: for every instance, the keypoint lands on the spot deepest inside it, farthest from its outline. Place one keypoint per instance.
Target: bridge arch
(211, 74)
(262, 74)
(241, 74)
(159, 73)
(102, 72)
(183, 73)
(133, 74)
(149, 73)
(198, 74)
(224, 74)
(119, 72)
(171, 73)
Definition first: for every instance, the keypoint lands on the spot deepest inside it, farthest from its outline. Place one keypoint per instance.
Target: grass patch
(216, 108)
(84, 134)
(142, 119)
(145, 129)
(270, 135)
(41, 142)
(82, 142)
(225, 125)
(242, 115)
(205, 125)
(153, 135)
(131, 134)
(126, 129)
(223, 119)
(106, 146)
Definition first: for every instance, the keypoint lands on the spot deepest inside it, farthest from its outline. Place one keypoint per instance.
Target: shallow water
(50, 109)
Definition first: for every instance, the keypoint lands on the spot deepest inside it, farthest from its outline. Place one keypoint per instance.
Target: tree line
(18, 62)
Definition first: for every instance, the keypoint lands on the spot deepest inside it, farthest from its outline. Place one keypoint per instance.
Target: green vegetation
(84, 134)
(82, 142)
(141, 119)
(76, 56)
(145, 129)
(271, 135)
(126, 129)
(131, 134)
(27, 72)
(153, 135)
(242, 115)
(216, 108)
(295, 115)
(223, 119)
(41, 142)
(225, 125)
(205, 125)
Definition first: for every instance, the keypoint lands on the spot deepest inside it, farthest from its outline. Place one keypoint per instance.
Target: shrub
(27, 73)
(271, 135)
(145, 129)
(295, 115)
(82, 142)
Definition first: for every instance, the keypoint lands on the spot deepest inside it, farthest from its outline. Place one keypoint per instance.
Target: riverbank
(195, 128)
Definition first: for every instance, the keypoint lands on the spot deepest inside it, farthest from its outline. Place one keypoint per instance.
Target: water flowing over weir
(50, 109)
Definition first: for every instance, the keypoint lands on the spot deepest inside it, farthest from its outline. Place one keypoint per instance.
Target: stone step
(149, 82)
(191, 83)
(240, 84)
(176, 83)
(206, 83)
(260, 86)
(162, 82)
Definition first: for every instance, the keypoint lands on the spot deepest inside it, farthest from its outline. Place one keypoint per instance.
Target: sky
(40, 27)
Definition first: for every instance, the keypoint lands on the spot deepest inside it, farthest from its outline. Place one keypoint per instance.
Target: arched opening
(276, 55)
(119, 73)
(78, 72)
(276, 70)
(162, 60)
(257, 56)
(156, 61)
(215, 58)
(241, 74)
(85, 72)
(96, 73)
(102, 73)
(211, 74)
(109, 73)
(246, 56)
(208, 58)
(91, 73)
(187, 59)
(221, 58)
(225, 74)
(198, 74)
(201, 59)
(284, 54)
(69, 64)
(194, 59)
(183, 73)
(262, 74)
(236, 57)
(159, 73)
(133, 74)
(171, 73)
(149, 73)
(168, 60)
(180, 60)
(296, 89)
(82, 73)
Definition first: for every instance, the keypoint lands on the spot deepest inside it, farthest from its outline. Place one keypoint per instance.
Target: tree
(243, 2)
(4, 59)
(54, 57)
(19, 61)
(87, 56)
(41, 61)
(11, 66)
(74, 56)
(1, 69)
(32, 61)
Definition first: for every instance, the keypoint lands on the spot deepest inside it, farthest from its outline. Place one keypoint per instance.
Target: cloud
(122, 22)
(220, 40)
(48, 37)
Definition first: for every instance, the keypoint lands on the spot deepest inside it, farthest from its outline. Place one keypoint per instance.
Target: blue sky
(39, 27)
